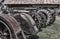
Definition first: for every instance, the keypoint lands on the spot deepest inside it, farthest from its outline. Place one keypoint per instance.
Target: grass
(51, 32)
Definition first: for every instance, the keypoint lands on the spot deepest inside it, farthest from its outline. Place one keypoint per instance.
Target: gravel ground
(51, 32)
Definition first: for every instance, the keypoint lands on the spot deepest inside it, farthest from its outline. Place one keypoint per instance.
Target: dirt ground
(51, 32)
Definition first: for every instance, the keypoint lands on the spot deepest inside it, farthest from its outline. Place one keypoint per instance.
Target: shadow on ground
(51, 32)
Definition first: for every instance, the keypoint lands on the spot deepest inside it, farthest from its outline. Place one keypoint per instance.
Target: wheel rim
(5, 32)
(11, 24)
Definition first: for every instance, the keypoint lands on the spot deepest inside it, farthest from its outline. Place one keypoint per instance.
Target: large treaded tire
(43, 17)
(53, 13)
(53, 18)
(47, 14)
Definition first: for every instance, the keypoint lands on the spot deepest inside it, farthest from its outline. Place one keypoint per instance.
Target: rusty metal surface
(12, 22)
(13, 25)
(27, 23)
(32, 2)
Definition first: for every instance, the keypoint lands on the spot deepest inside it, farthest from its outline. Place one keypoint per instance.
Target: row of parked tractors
(24, 25)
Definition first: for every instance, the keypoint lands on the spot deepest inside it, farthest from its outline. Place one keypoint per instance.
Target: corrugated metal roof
(31, 2)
